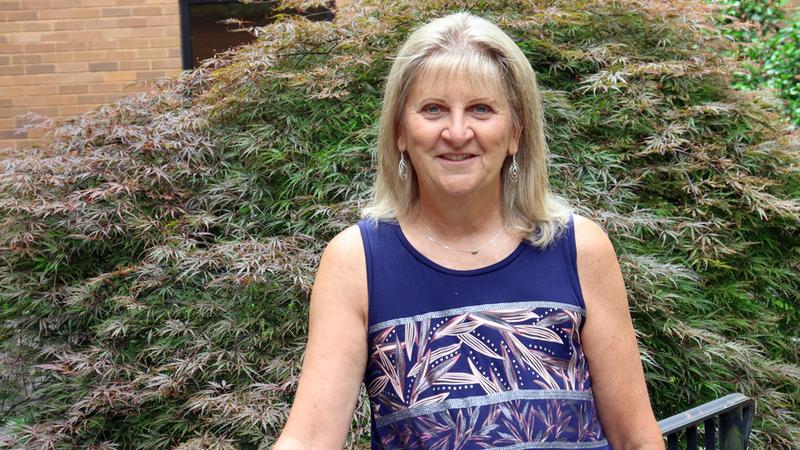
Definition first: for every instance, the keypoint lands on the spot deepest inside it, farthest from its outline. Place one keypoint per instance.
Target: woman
(471, 301)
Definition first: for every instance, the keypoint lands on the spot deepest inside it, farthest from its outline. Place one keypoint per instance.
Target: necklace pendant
(471, 252)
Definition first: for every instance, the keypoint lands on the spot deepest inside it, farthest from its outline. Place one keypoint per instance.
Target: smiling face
(457, 132)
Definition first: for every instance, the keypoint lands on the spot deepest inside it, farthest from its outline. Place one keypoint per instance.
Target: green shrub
(765, 17)
(770, 48)
(157, 254)
(780, 67)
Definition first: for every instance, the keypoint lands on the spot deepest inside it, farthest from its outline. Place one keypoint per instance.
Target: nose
(458, 132)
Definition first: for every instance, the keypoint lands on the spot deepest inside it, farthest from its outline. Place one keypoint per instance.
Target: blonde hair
(467, 44)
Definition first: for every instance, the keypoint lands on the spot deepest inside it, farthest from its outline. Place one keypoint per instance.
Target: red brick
(60, 36)
(8, 91)
(115, 12)
(146, 11)
(12, 70)
(166, 64)
(104, 22)
(70, 24)
(136, 64)
(40, 68)
(71, 46)
(86, 35)
(84, 13)
(118, 33)
(71, 67)
(73, 89)
(152, 31)
(48, 111)
(46, 4)
(123, 75)
(65, 111)
(111, 2)
(150, 74)
(94, 98)
(11, 48)
(10, 5)
(103, 44)
(50, 13)
(26, 59)
(12, 16)
(114, 44)
(119, 55)
(29, 100)
(12, 27)
(50, 89)
(134, 43)
(170, 9)
(103, 66)
(13, 134)
(86, 77)
(106, 87)
(156, 21)
(40, 47)
(132, 22)
(40, 25)
(19, 38)
(165, 42)
(11, 112)
(59, 100)
(152, 53)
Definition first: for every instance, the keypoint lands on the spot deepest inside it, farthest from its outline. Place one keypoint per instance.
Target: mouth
(456, 157)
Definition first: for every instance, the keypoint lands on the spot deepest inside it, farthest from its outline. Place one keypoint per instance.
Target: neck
(460, 217)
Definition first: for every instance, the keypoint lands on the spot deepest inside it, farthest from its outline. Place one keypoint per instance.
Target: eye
(432, 108)
(482, 108)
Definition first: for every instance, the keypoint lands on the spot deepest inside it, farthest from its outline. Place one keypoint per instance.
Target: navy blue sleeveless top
(488, 358)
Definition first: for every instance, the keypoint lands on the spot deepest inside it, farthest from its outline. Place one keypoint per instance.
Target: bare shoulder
(343, 271)
(346, 247)
(598, 267)
(590, 237)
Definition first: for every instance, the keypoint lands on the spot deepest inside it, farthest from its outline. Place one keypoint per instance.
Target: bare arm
(609, 343)
(336, 353)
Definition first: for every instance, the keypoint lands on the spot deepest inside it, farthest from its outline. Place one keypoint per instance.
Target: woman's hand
(609, 344)
(336, 354)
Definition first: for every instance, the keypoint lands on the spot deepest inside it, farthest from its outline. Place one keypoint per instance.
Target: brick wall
(62, 57)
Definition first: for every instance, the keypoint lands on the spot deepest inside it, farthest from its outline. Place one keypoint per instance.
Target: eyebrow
(488, 100)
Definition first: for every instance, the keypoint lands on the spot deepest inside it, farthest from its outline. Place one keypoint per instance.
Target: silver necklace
(471, 252)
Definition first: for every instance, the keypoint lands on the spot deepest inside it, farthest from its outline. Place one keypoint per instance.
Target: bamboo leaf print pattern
(482, 379)
(496, 426)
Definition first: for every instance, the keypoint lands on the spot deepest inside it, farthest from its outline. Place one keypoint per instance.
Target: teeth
(456, 157)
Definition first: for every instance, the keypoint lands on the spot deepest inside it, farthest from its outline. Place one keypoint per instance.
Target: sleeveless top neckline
(462, 272)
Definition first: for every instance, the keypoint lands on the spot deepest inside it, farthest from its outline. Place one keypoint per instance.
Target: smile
(456, 156)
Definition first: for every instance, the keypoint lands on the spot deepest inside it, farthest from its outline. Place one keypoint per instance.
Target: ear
(400, 132)
(513, 146)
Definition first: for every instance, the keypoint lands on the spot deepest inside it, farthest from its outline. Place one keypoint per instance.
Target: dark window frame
(186, 28)
(186, 25)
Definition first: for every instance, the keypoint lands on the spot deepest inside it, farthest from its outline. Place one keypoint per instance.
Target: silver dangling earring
(402, 167)
(514, 169)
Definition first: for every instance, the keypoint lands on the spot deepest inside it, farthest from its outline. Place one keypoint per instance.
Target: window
(204, 32)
